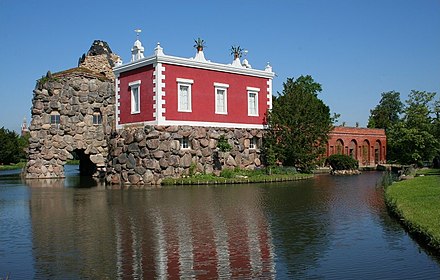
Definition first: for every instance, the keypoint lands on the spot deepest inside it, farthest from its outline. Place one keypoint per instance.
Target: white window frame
(136, 85)
(253, 144)
(221, 87)
(186, 83)
(252, 90)
(97, 118)
(185, 144)
(55, 118)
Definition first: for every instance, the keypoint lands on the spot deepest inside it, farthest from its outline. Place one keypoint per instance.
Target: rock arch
(73, 95)
(73, 110)
(86, 166)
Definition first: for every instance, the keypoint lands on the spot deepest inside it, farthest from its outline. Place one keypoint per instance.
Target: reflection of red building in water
(367, 145)
(176, 247)
(206, 233)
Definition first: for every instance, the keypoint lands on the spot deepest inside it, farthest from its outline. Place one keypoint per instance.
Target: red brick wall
(366, 145)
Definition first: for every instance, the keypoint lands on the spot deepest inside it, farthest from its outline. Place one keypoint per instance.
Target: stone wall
(75, 96)
(149, 154)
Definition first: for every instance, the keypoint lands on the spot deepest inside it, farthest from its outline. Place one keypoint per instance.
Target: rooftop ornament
(245, 62)
(199, 45)
(137, 52)
(237, 52)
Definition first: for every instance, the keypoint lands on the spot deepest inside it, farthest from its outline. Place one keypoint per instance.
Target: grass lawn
(19, 165)
(417, 203)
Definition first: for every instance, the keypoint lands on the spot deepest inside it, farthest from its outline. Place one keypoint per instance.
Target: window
(253, 101)
(221, 98)
(135, 96)
(97, 118)
(184, 95)
(254, 143)
(55, 118)
(184, 143)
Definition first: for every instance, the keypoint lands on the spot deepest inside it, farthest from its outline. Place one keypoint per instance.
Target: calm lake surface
(322, 228)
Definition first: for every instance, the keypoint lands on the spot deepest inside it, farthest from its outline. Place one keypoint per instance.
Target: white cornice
(167, 59)
(195, 124)
(134, 65)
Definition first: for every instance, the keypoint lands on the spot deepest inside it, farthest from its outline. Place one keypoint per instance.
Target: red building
(367, 145)
(168, 90)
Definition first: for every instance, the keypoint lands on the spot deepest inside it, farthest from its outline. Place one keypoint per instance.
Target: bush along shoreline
(239, 176)
(343, 165)
(416, 204)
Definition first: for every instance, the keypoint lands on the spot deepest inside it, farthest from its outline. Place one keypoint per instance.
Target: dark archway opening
(366, 153)
(80, 171)
(353, 150)
(86, 166)
(339, 146)
(377, 154)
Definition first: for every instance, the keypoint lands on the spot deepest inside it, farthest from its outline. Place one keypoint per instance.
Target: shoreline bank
(416, 204)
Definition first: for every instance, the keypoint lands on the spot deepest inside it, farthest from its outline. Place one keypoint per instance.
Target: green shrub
(342, 162)
(227, 173)
(192, 169)
(223, 144)
(283, 170)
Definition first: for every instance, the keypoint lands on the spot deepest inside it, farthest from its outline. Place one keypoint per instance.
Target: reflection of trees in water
(300, 226)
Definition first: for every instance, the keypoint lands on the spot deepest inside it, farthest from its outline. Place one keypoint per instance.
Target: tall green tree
(386, 113)
(410, 145)
(298, 125)
(419, 109)
(436, 132)
(413, 140)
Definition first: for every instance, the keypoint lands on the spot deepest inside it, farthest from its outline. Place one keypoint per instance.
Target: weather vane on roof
(137, 33)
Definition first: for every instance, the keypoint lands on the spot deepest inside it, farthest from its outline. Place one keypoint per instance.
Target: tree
(9, 147)
(410, 145)
(413, 139)
(418, 111)
(386, 113)
(436, 131)
(298, 125)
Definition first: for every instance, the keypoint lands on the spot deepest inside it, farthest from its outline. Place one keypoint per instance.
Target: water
(323, 228)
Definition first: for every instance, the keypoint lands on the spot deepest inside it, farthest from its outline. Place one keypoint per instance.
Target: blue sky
(355, 49)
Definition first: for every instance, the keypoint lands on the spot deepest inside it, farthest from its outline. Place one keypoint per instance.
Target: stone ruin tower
(73, 113)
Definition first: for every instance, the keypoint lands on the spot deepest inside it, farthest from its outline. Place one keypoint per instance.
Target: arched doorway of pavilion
(352, 149)
(377, 152)
(366, 153)
(339, 146)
